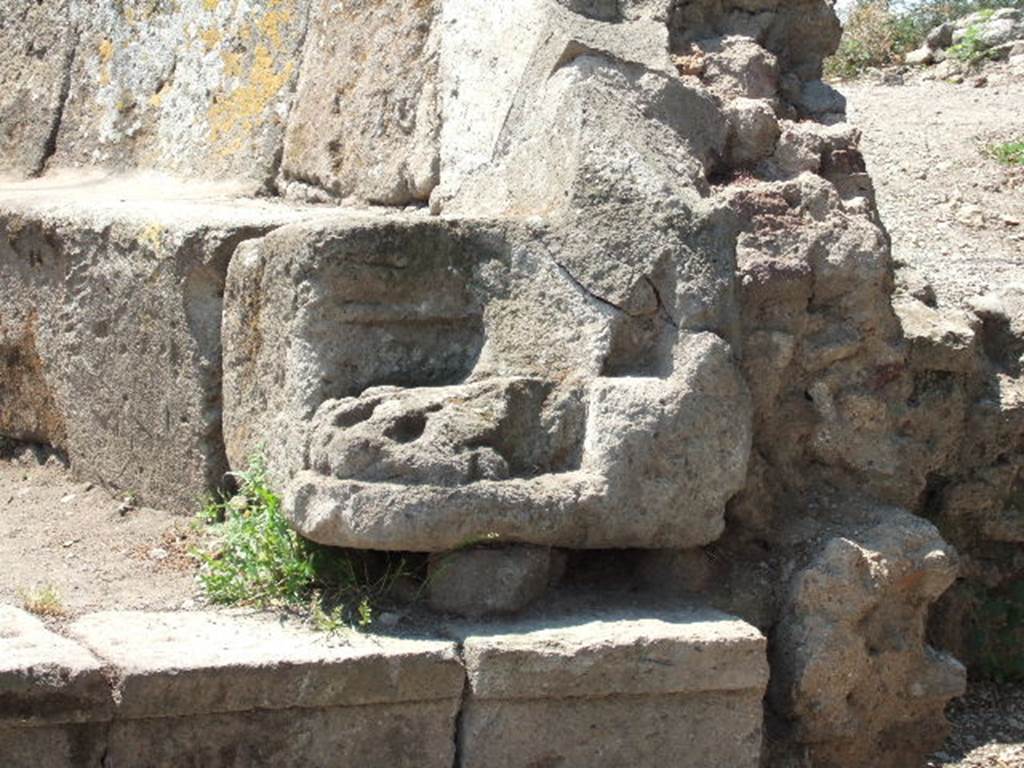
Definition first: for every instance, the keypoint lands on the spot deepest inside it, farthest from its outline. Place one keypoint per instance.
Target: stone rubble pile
(525, 280)
(991, 35)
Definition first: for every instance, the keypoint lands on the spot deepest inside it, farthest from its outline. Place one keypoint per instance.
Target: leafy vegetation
(44, 601)
(252, 556)
(878, 33)
(969, 50)
(1009, 153)
(873, 36)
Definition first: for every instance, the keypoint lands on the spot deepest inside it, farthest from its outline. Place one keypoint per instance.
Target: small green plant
(878, 33)
(1008, 153)
(252, 556)
(44, 601)
(970, 49)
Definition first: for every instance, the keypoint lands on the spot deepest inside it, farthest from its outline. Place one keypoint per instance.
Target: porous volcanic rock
(640, 297)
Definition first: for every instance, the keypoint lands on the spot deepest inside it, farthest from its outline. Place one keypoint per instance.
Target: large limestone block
(479, 581)
(612, 688)
(182, 664)
(71, 745)
(412, 735)
(599, 136)
(221, 690)
(460, 425)
(110, 315)
(304, 308)
(46, 679)
(240, 690)
(55, 701)
(366, 116)
(196, 87)
(503, 65)
(36, 45)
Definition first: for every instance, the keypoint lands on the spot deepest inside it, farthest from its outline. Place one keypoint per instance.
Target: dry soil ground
(953, 212)
(93, 551)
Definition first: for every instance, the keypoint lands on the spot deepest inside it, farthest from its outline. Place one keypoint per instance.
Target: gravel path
(956, 216)
(988, 729)
(953, 212)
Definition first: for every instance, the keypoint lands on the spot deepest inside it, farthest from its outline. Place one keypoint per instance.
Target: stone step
(606, 687)
(610, 688)
(110, 313)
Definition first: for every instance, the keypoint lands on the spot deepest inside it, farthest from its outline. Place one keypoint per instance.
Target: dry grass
(44, 601)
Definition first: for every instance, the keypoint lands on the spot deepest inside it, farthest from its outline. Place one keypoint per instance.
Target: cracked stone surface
(489, 434)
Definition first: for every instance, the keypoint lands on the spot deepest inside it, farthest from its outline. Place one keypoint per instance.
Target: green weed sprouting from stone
(970, 49)
(252, 556)
(1008, 153)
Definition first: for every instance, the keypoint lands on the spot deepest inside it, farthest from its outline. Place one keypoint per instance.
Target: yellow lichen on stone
(152, 236)
(271, 23)
(232, 63)
(211, 5)
(126, 102)
(106, 50)
(157, 99)
(210, 37)
(106, 53)
(234, 117)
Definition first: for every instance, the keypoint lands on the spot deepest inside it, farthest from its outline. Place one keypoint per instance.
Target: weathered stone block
(55, 702)
(197, 87)
(850, 666)
(36, 45)
(366, 116)
(234, 690)
(72, 745)
(46, 679)
(615, 688)
(183, 664)
(516, 77)
(685, 730)
(221, 690)
(460, 425)
(939, 341)
(412, 735)
(110, 315)
(485, 580)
